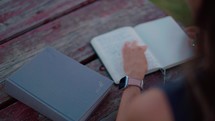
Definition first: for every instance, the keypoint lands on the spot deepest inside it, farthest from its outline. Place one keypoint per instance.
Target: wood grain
(71, 35)
(20, 16)
(20, 112)
(108, 105)
(111, 102)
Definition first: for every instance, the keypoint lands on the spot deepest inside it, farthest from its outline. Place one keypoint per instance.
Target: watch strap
(135, 82)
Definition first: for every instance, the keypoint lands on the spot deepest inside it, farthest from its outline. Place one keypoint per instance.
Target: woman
(191, 98)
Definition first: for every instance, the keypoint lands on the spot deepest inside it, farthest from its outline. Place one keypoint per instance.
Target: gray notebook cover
(58, 87)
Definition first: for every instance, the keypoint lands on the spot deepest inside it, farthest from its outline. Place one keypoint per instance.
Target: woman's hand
(134, 60)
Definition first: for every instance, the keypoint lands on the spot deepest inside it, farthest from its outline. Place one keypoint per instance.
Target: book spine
(114, 74)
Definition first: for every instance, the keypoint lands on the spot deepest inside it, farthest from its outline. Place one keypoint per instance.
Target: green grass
(176, 8)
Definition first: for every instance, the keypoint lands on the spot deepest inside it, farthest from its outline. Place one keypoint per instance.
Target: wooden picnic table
(28, 26)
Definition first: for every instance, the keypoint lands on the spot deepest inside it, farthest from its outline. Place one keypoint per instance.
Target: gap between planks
(64, 13)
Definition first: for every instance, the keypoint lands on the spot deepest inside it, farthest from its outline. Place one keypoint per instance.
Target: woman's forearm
(135, 66)
(128, 96)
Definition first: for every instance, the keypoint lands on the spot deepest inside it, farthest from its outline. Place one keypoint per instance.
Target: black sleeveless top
(181, 101)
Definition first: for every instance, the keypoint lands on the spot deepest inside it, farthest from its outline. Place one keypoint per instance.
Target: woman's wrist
(136, 76)
(134, 60)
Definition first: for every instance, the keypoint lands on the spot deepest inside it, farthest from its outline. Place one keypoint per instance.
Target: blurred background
(176, 8)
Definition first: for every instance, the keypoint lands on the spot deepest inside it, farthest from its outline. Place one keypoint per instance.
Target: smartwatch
(127, 81)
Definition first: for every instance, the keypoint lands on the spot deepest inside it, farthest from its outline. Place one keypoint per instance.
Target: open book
(167, 43)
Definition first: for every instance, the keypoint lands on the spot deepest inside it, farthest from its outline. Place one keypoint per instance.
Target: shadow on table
(110, 117)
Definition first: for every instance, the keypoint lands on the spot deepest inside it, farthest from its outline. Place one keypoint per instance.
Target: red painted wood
(17, 115)
(109, 104)
(112, 100)
(71, 35)
(17, 16)
(20, 112)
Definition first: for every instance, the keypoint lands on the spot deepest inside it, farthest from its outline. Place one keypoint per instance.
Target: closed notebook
(58, 86)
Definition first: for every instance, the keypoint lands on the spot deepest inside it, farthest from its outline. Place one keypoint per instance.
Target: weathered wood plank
(66, 33)
(110, 103)
(20, 112)
(71, 34)
(20, 16)
(112, 100)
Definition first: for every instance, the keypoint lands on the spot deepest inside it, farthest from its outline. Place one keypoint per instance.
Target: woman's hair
(202, 71)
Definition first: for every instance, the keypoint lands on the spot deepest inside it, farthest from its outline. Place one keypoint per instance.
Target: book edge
(109, 70)
(30, 100)
(99, 100)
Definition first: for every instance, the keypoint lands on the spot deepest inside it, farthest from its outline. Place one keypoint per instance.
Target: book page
(166, 40)
(109, 48)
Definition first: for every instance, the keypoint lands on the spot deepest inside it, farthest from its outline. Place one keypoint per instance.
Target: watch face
(122, 82)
